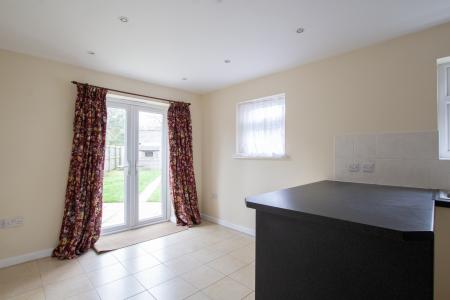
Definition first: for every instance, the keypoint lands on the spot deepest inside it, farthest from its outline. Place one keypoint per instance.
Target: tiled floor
(204, 262)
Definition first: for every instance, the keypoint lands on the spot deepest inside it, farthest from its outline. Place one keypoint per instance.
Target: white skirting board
(240, 228)
(15, 260)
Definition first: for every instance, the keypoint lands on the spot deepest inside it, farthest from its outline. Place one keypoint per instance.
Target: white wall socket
(368, 167)
(353, 167)
(11, 222)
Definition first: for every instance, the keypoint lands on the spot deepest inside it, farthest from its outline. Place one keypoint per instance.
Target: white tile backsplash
(419, 145)
(365, 146)
(388, 145)
(439, 174)
(344, 146)
(403, 159)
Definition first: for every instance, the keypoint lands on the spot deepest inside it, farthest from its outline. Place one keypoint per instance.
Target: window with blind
(261, 128)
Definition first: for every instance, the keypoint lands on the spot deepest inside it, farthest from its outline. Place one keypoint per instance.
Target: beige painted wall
(389, 87)
(36, 115)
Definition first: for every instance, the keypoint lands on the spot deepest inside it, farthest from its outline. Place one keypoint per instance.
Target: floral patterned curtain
(82, 220)
(182, 180)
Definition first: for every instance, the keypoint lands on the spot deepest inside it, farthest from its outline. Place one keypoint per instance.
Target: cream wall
(36, 115)
(389, 87)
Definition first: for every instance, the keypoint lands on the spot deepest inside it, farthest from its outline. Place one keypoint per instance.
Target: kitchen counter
(338, 240)
(406, 210)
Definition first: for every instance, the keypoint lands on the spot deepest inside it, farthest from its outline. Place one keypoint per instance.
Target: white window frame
(443, 71)
(238, 155)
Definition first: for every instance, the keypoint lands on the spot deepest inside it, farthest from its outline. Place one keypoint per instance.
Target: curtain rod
(133, 94)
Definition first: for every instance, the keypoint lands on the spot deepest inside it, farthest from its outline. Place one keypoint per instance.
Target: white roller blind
(260, 127)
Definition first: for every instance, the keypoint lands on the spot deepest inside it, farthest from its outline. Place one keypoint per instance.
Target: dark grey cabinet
(336, 240)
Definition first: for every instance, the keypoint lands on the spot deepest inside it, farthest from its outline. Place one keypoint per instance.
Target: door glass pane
(149, 165)
(115, 172)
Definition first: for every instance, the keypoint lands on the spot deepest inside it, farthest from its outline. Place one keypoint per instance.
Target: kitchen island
(338, 240)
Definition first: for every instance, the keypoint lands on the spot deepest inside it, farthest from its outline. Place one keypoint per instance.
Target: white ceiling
(166, 40)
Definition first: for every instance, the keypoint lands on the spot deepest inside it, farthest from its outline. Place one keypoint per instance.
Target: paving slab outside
(113, 213)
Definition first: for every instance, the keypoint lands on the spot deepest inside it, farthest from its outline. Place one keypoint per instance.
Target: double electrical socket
(368, 167)
(11, 222)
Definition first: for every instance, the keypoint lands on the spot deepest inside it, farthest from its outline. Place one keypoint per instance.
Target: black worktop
(341, 240)
(408, 210)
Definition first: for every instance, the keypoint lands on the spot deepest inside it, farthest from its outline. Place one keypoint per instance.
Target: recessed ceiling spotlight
(91, 52)
(227, 61)
(123, 19)
(184, 78)
(300, 30)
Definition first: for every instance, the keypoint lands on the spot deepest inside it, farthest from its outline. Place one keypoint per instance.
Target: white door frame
(132, 107)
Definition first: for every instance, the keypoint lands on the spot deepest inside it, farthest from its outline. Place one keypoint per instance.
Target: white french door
(135, 175)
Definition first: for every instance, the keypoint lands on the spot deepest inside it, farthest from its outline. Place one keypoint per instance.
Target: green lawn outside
(155, 196)
(113, 185)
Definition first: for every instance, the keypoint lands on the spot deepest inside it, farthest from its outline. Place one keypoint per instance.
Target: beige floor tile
(94, 262)
(192, 245)
(128, 253)
(229, 245)
(198, 296)
(49, 263)
(206, 255)
(246, 276)
(245, 254)
(55, 270)
(120, 289)
(142, 296)
(107, 274)
(245, 238)
(201, 255)
(183, 264)
(226, 264)
(37, 294)
(209, 239)
(227, 289)
(221, 235)
(15, 272)
(67, 288)
(154, 245)
(250, 297)
(171, 252)
(19, 285)
(140, 263)
(202, 277)
(203, 230)
(91, 295)
(174, 289)
(154, 276)
(176, 238)
(186, 235)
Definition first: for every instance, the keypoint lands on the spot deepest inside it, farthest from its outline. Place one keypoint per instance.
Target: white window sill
(281, 157)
